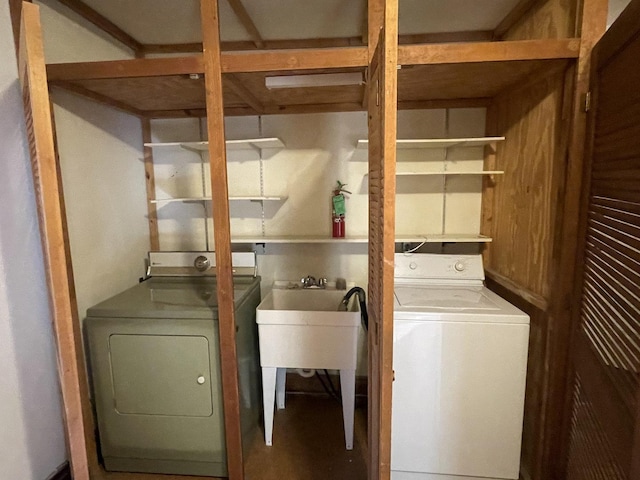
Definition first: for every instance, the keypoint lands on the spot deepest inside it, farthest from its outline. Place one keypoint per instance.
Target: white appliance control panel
(427, 266)
(198, 263)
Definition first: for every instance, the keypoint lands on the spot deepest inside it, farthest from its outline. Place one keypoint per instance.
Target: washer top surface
(446, 297)
(448, 288)
(172, 297)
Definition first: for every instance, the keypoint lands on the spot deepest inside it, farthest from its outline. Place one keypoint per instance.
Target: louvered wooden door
(604, 439)
(382, 101)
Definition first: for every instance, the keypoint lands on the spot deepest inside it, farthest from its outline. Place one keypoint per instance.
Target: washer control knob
(413, 265)
(460, 267)
(201, 263)
(201, 380)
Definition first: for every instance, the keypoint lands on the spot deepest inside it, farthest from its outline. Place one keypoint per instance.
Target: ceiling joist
(246, 21)
(241, 91)
(103, 23)
(312, 59)
(139, 67)
(103, 99)
(285, 60)
(488, 51)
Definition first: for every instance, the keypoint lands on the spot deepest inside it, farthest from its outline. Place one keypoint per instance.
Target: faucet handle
(308, 281)
(322, 282)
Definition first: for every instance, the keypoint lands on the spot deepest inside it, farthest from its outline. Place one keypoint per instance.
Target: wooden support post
(150, 182)
(594, 17)
(55, 246)
(222, 236)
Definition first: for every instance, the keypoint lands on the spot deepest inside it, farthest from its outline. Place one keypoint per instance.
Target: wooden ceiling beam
(514, 16)
(444, 103)
(139, 67)
(104, 24)
(236, 86)
(246, 21)
(488, 51)
(97, 97)
(440, 37)
(303, 59)
(195, 47)
(184, 113)
(446, 37)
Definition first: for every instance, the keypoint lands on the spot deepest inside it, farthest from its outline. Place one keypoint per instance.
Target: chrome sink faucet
(311, 282)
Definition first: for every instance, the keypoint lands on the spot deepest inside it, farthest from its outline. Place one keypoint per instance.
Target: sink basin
(302, 328)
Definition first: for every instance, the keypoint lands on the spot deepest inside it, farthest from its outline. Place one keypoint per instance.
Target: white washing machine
(460, 360)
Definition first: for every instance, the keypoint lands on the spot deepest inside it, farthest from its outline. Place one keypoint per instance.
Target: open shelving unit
(232, 145)
(162, 201)
(424, 143)
(436, 238)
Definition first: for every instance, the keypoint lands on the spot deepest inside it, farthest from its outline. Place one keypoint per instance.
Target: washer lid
(463, 303)
(445, 298)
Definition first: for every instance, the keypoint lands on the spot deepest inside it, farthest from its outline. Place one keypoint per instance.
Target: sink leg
(348, 387)
(268, 401)
(281, 380)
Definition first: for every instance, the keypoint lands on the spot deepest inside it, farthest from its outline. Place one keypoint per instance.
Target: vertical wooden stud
(150, 182)
(222, 235)
(55, 245)
(594, 16)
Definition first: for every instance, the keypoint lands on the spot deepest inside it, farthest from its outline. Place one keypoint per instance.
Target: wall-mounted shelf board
(439, 238)
(474, 172)
(232, 145)
(423, 143)
(205, 199)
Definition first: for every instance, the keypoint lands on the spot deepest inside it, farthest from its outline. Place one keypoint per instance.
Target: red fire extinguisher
(338, 210)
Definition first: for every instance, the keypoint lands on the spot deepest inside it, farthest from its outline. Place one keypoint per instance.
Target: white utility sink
(302, 328)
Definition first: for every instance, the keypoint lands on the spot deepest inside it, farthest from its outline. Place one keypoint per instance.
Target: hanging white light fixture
(314, 80)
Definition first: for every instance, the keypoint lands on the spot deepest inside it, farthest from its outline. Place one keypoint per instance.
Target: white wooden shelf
(439, 238)
(206, 199)
(424, 143)
(232, 145)
(473, 172)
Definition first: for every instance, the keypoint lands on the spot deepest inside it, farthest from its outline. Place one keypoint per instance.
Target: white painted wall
(32, 442)
(69, 38)
(102, 170)
(615, 9)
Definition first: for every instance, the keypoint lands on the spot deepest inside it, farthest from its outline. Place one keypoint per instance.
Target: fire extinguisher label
(339, 205)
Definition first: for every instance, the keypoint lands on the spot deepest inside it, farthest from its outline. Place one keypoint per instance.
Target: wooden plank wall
(546, 19)
(525, 198)
(524, 223)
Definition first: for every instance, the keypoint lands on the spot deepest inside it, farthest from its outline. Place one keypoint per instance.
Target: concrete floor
(308, 443)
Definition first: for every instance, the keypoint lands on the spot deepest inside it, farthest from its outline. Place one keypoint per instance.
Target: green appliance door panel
(161, 375)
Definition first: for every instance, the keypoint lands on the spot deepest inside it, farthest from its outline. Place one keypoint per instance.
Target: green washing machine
(154, 361)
